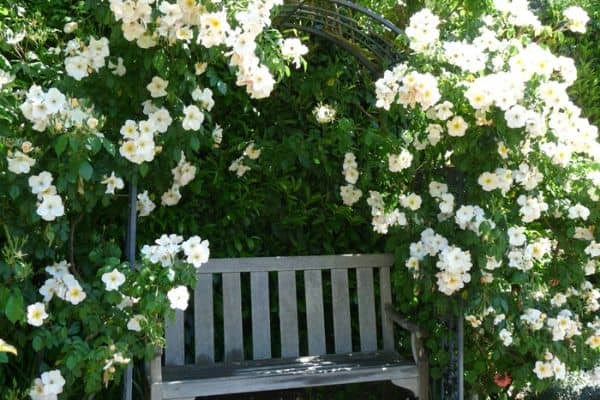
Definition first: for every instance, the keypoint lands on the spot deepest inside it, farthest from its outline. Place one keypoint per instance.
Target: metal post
(461, 355)
(130, 249)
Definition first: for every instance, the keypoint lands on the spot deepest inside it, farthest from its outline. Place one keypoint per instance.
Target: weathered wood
(385, 295)
(184, 382)
(232, 317)
(250, 376)
(366, 309)
(299, 263)
(342, 330)
(174, 349)
(418, 348)
(261, 320)
(315, 321)
(204, 324)
(288, 313)
(156, 367)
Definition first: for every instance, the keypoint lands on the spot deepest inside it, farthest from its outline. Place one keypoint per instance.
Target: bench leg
(155, 392)
(411, 384)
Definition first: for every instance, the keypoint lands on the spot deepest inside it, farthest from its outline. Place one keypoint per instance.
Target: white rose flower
(252, 152)
(157, 87)
(53, 382)
(196, 250)
(19, 163)
(113, 183)
(577, 18)
(51, 207)
(134, 323)
(399, 162)
(543, 370)
(75, 294)
(293, 49)
(506, 337)
(36, 314)
(113, 279)
(41, 182)
(178, 297)
(457, 126)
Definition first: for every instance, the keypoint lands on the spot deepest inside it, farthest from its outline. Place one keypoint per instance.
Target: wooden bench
(371, 356)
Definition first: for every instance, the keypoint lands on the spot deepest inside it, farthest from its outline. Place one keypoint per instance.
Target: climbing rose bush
(494, 183)
(111, 94)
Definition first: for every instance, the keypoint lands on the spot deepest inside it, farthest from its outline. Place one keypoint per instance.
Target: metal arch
(338, 22)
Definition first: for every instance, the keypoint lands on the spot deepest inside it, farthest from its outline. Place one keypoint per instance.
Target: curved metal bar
(372, 50)
(342, 43)
(369, 13)
(374, 43)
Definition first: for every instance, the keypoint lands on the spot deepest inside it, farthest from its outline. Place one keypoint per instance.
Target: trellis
(364, 34)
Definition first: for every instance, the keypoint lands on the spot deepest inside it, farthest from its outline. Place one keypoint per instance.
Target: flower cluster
(50, 204)
(165, 252)
(350, 194)
(550, 367)
(82, 58)
(399, 162)
(138, 145)
(48, 386)
(238, 165)
(167, 248)
(563, 326)
(471, 217)
(439, 192)
(183, 174)
(52, 108)
(185, 21)
(423, 30)
(62, 284)
(383, 220)
(410, 88)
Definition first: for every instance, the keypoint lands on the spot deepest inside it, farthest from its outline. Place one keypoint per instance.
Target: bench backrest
(372, 290)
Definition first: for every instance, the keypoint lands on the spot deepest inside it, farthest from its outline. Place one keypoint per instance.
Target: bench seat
(286, 373)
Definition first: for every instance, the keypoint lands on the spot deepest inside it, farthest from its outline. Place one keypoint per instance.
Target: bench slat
(313, 285)
(341, 311)
(232, 317)
(174, 349)
(261, 320)
(288, 313)
(366, 309)
(387, 326)
(204, 324)
(296, 263)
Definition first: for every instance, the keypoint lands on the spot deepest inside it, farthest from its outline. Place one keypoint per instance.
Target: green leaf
(15, 308)
(61, 144)
(144, 169)
(95, 144)
(86, 170)
(37, 343)
(109, 147)
(520, 277)
(194, 142)
(14, 191)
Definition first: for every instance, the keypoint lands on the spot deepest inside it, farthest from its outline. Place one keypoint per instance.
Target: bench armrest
(417, 334)
(397, 318)
(156, 367)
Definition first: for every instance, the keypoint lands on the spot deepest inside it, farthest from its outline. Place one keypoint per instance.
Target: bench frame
(286, 267)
